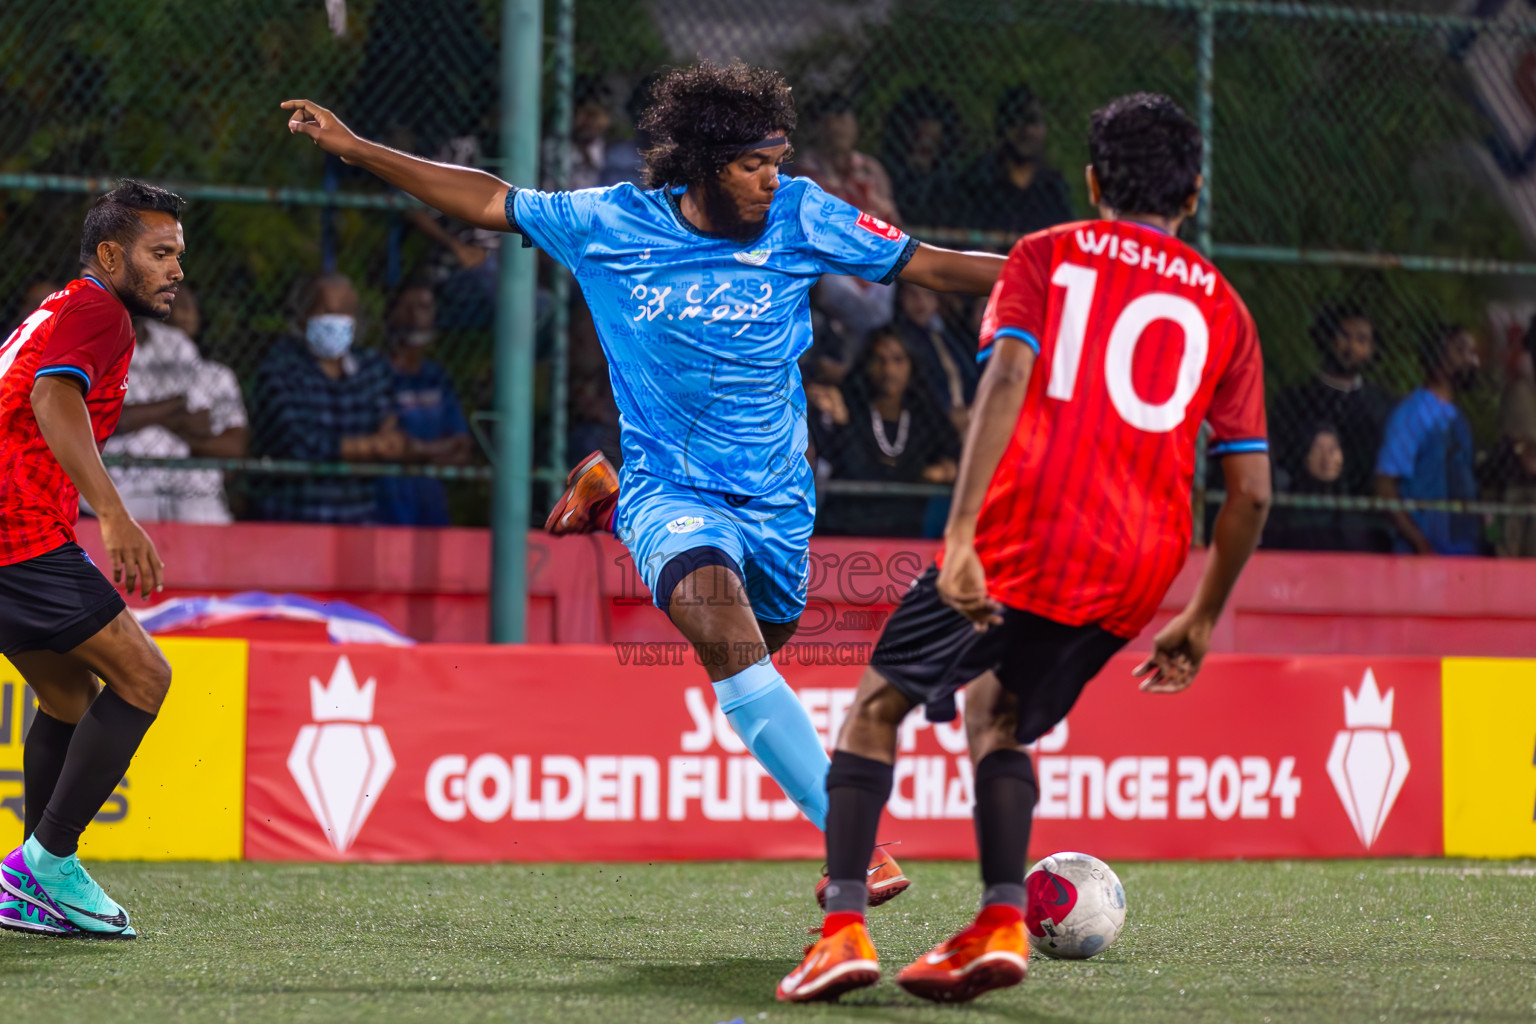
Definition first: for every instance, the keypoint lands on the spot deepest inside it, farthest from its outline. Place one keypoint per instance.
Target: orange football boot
(985, 956)
(834, 964)
(883, 877)
(591, 492)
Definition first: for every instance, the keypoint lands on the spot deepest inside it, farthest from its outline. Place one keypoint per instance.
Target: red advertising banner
(469, 753)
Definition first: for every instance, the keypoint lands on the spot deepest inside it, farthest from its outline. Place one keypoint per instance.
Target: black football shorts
(928, 651)
(54, 602)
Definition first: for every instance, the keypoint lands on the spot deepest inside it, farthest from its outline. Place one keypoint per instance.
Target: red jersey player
(63, 375)
(1112, 342)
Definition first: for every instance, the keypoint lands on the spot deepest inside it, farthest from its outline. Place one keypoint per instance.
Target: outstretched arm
(463, 193)
(945, 270)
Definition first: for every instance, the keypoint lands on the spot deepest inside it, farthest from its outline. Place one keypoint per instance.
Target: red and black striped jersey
(82, 332)
(1139, 340)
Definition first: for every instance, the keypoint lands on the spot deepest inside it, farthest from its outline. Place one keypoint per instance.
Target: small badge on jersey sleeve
(686, 524)
(875, 226)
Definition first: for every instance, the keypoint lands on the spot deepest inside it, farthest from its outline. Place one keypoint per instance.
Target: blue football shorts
(768, 536)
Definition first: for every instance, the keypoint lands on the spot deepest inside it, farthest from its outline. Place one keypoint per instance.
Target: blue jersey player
(699, 286)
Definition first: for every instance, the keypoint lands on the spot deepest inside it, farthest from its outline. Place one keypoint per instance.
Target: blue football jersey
(702, 333)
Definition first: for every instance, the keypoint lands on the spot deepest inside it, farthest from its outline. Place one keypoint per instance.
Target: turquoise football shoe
(18, 915)
(62, 888)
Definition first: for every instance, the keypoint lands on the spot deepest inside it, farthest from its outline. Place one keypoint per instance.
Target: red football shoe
(591, 492)
(883, 877)
(991, 953)
(836, 963)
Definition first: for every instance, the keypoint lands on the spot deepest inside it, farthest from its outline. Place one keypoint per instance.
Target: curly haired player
(1111, 342)
(63, 375)
(700, 288)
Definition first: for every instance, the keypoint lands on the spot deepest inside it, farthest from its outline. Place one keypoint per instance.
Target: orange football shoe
(591, 492)
(883, 877)
(834, 964)
(990, 954)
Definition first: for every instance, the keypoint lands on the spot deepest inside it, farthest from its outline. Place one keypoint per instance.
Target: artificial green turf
(1291, 941)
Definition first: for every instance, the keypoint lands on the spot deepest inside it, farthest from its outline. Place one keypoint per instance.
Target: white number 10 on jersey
(12, 346)
(1120, 354)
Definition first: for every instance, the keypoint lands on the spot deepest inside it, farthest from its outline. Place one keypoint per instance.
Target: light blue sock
(773, 724)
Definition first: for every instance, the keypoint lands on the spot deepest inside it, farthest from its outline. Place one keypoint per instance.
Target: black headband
(772, 142)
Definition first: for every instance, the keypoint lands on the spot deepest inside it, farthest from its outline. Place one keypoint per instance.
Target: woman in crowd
(1322, 472)
(882, 425)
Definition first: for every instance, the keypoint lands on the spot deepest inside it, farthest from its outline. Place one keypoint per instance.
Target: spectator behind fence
(918, 148)
(318, 398)
(593, 415)
(1336, 393)
(467, 261)
(427, 408)
(1011, 188)
(178, 405)
(1517, 425)
(883, 426)
(1322, 473)
(597, 160)
(946, 358)
(32, 296)
(832, 350)
(857, 178)
(1427, 453)
(836, 164)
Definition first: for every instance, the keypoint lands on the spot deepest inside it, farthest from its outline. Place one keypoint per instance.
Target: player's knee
(991, 719)
(146, 684)
(67, 701)
(878, 703)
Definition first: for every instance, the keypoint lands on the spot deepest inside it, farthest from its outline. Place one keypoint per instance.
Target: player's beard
(137, 297)
(725, 217)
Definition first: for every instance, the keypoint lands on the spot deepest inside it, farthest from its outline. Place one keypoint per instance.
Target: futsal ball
(1076, 906)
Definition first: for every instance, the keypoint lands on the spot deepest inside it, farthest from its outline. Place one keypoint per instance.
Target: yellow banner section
(184, 796)
(1489, 718)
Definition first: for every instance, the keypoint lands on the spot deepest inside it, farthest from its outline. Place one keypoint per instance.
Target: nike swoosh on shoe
(936, 960)
(117, 920)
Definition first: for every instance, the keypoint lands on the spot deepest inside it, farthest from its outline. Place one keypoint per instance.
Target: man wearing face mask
(319, 399)
(427, 407)
(1427, 451)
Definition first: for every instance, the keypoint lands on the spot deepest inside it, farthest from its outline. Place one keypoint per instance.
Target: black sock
(857, 789)
(42, 759)
(103, 745)
(1005, 800)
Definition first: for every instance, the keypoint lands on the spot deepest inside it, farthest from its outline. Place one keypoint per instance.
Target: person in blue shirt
(427, 407)
(699, 286)
(1427, 452)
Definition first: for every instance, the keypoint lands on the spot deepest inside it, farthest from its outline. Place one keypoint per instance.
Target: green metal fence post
(1205, 72)
(521, 68)
(560, 289)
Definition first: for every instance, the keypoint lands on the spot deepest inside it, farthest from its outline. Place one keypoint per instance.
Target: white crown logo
(341, 760)
(341, 700)
(1369, 761)
(1368, 709)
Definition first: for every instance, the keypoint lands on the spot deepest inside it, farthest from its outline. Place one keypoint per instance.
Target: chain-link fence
(1368, 184)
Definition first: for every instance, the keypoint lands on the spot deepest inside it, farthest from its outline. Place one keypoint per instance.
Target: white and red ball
(1076, 906)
